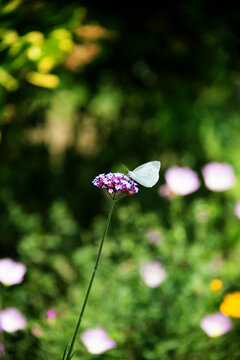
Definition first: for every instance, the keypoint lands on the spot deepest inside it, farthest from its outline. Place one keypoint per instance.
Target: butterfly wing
(146, 174)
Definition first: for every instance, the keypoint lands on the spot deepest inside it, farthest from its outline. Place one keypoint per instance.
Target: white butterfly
(146, 174)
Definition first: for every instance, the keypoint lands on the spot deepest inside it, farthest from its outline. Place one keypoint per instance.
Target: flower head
(231, 305)
(11, 320)
(97, 340)
(181, 180)
(11, 272)
(218, 176)
(153, 273)
(216, 324)
(116, 182)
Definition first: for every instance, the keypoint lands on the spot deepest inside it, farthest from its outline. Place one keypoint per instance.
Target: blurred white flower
(216, 324)
(153, 273)
(11, 272)
(237, 210)
(218, 176)
(11, 320)
(181, 180)
(97, 340)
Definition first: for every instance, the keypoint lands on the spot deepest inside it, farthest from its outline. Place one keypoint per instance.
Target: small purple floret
(115, 182)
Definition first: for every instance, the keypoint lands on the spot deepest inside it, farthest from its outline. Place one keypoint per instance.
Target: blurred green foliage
(85, 87)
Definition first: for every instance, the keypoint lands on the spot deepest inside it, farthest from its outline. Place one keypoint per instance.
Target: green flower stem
(68, 354)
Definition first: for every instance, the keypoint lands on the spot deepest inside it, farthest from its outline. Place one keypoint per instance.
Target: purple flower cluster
(115, 182)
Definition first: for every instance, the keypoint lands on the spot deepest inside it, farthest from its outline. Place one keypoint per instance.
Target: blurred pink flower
(37, 331)
(97, 340)
(51, 314)
(216, 324)
(154, 236)
(2, 349)
(218, 176)
(165, 192)
(181, 180)
(153, 273)
(12, 320)
(237, 210)
(11, 272)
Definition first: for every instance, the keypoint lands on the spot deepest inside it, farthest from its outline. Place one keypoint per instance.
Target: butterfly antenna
(125, 168)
